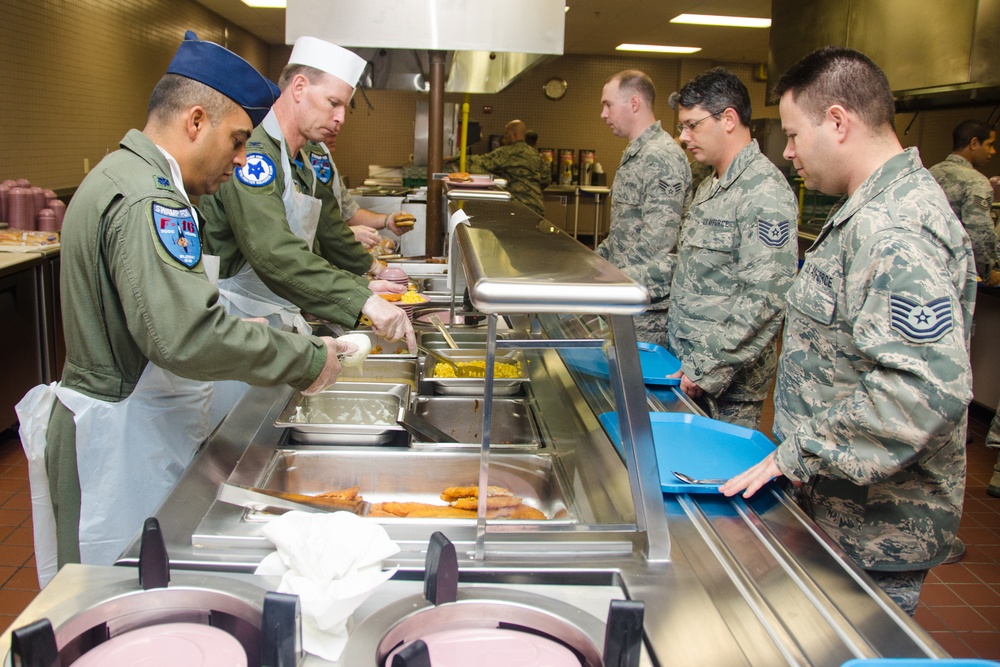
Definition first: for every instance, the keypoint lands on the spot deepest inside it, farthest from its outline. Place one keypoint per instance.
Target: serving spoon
(691, 480)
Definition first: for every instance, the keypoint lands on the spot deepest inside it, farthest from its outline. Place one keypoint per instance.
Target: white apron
(246, 295)
(129, 454)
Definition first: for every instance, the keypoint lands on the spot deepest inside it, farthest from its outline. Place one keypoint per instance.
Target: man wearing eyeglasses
(736, 255)
(651, 189)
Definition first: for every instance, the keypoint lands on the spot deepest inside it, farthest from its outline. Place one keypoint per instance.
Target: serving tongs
(279, 502)
(422, 429)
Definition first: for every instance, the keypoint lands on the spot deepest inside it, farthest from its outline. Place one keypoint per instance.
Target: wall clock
(555, 88)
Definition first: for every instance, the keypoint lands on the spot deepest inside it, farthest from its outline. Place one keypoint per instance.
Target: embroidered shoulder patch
(257, 172)
(773, 234)
(321, 165)
(669, 188)
(178, 233)
(981, 202)
(162, 183)
(921, 322)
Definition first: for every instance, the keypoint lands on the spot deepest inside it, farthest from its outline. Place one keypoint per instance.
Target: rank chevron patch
(773, 234)
(921, 322)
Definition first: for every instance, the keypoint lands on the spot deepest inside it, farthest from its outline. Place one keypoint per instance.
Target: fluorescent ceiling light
(728, 21)
(276, 4)
(656, 48)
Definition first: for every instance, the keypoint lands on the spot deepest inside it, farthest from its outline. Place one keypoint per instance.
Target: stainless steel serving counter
(724, 581)
(747, 583)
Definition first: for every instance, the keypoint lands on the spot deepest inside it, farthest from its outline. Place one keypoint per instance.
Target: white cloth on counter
(333, 562)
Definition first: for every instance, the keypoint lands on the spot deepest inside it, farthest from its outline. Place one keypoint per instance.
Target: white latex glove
(331, 369)
(376, 268)
(386, 287)
(389, 321)
(390, 224)
(366, 236)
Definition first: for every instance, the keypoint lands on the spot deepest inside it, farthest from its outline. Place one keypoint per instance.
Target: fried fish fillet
(441, 512)
(492, 503)
(456, 492)
(342, 494)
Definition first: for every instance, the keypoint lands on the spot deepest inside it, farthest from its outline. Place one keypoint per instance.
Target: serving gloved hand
(390, 223)
(386, 287)
(331, 368)
(366, 236)
(389, 321)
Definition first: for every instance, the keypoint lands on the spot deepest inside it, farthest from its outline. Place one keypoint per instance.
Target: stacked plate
(394, 274)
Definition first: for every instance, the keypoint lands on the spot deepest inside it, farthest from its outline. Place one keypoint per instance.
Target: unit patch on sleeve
(178, 233)
(257, 172)
(321, 165)
(921, 322)
(773, 234)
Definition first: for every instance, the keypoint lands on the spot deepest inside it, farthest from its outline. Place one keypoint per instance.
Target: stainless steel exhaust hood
(936, 53)
(489, 43)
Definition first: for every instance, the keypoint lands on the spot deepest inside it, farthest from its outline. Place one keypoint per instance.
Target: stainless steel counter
(724, 581)
(747, 583)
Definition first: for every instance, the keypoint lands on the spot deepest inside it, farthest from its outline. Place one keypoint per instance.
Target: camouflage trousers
(902, 587)
(993, 437)
(651, 327)
(741, 413)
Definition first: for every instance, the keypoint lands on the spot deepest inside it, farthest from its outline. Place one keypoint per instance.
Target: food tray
(391, 370)
(697, 446)
(475, 386)
(355, 398)
(657, 363)
(478, 181)
(462, 418)
(416, 476)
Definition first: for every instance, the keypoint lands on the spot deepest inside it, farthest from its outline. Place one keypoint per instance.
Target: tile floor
(959, 606)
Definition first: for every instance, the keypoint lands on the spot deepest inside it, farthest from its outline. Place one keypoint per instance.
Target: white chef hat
(330, 58)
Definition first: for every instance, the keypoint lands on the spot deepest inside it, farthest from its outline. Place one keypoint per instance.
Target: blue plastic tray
(697, 446)
(919, 662)
(657, 363)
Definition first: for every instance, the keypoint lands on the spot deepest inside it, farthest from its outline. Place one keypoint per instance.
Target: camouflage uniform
(652, 187)
(523, 168)
(736, 258)
(244, 224)
(874, 376)
(971, 196)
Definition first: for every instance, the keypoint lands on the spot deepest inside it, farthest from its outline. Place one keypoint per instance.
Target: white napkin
(332, 562)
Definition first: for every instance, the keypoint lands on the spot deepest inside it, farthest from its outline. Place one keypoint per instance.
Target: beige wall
(77, 75)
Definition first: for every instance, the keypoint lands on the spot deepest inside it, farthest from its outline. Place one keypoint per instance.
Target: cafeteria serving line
(528, 467)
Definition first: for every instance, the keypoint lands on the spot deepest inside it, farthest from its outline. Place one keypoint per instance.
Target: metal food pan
(392, 370)
(384, 349)
(416, 476)
(475, 386)
(465, 339)
(358, 413)
(462, 418)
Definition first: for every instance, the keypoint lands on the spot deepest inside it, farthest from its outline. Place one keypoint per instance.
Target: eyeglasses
(690, 127)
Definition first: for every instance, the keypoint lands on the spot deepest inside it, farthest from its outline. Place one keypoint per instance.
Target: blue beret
(227, 73)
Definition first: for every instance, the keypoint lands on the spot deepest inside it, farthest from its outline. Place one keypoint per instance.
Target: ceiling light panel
(726, 21)
(656, 48)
